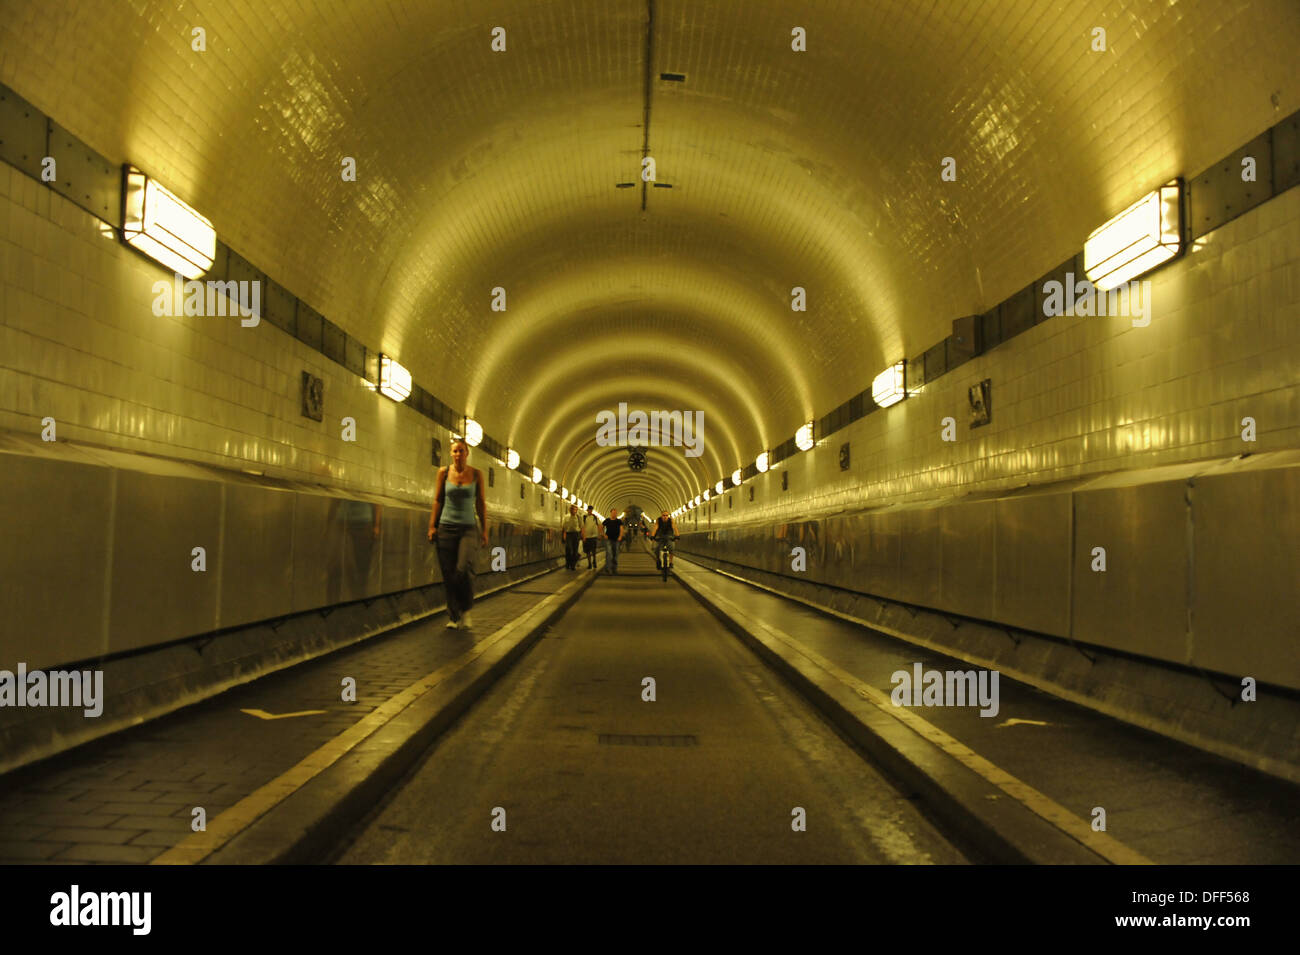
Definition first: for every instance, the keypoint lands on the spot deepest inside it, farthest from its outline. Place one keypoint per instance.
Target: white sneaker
(452, 625)
(465, 622)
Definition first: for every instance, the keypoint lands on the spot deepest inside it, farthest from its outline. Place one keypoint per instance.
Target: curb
(978, 814)
(306, 824)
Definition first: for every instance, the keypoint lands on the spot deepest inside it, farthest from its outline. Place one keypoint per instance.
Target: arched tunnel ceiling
(479, 169)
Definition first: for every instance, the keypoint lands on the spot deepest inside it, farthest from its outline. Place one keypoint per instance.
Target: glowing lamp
(164, 228)
(1143, 236)
(888, 387)
(394, 380)
(803, 438)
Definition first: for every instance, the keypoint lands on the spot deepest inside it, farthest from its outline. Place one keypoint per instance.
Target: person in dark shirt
(665, 533)
(613, 531)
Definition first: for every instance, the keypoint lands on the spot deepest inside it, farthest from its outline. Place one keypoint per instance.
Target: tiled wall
(79, 342)
(1075, 395)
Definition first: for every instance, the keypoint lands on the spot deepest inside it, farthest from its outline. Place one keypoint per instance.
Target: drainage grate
(618, 739)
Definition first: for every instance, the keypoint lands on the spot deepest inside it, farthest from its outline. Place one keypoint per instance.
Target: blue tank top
(458, 502)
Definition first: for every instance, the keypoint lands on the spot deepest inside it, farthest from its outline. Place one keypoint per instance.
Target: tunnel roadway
(565, 760)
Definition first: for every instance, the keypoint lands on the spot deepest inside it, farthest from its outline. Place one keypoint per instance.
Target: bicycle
(661, 556)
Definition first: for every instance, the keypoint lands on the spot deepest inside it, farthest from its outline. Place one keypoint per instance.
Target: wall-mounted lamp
(803, 438)
(164, 228)
(889, 387)
(394, 380)
(1143, 236)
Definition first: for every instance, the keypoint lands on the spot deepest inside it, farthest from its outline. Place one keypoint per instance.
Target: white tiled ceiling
(820, 169)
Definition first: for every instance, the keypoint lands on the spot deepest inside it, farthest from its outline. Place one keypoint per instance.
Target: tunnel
(651, 432)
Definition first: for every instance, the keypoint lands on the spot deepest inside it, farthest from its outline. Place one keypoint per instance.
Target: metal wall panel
(1139, 604)
(256, 557)
(356, 574)
(54, 560)
(239, 269)
(308, 326)
(1033, 562)
(316, 548)
(1020, 312)
(278, 306)
(356, 358)
(920, 568)
(935, 360)
(85, 177)
(23, 132)
(396, 543)
(1247, 574)
(990, 329)
(968, 535)
(1012, 560)
(1286, 153)
(1058, 274)
(423, 555)
(1219, 194)
(156, 597)
(884, 548)
(333, 345)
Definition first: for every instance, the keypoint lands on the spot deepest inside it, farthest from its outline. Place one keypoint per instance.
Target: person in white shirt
(571, 527)
(591, 534)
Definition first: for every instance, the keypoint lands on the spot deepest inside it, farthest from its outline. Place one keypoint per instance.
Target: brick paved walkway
(129, 797)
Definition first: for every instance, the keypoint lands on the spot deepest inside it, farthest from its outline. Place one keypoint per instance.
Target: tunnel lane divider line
(224, 827)
(1104, 845)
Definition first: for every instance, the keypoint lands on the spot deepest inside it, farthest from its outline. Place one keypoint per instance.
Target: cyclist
(665, 533)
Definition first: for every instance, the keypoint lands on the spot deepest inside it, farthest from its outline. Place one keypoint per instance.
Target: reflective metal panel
(422, 555)
(53, 560)
(317, 552)
(1247, 574)
(884, 553)
(156, 596)
(256, 569)
(359, 524)
(396, 543)
(1139, 603)
(1033, 562)
(919, 566)
(969, 558)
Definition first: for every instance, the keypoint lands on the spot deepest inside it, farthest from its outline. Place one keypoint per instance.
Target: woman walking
(458, 498)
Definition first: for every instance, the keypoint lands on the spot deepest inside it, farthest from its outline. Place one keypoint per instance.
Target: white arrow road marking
(1013, 722)
(263, 715)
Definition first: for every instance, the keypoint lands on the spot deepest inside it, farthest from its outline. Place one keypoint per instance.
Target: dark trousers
(611, 556)
(457, 548)
(589, 548)
(571, 539)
